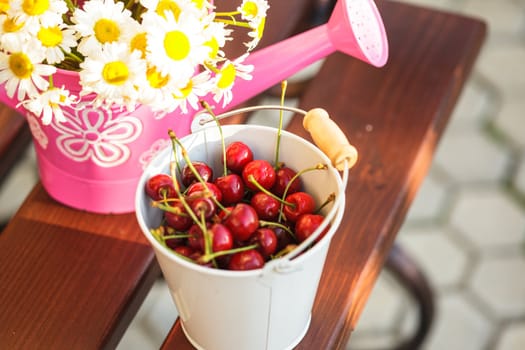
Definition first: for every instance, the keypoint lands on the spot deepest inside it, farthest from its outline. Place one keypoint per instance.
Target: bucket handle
(330, 139)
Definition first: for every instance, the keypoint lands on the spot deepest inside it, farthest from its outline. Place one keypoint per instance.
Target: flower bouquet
(98, 79)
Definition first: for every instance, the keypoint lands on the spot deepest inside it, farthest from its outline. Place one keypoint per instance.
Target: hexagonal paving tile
(471, 107)
(504, 17)
(511, 119)
(458, 325)
(512, 338)
(499, 283)
(508, 58)
(429, 201)
(441, 259)
(519, 178)
(471, 155)
(488, 218)
(382, 308)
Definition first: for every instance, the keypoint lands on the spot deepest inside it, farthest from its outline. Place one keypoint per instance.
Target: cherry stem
(319, 166)
(264, 223)
(284, 84)
(205, 105)
(285, 251)
(212, 256)
(252, 180)
(331, 198)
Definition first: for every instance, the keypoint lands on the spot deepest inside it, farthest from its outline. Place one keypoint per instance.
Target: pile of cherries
(251, 213)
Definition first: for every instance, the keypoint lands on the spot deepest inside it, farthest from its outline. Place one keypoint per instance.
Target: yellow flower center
(250, 9)
(35, 7)
(155, 79)
(10, 26)
(20, 65)
(139, 42)
(198, 3)
(227, 76)
(106, 31)
(4, 6)
(168, 5)
(187, 89)
(214, 46)
(50, 36)
(177, 45)
(115, 73)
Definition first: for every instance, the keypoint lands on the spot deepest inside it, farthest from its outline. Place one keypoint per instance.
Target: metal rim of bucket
(283, 264)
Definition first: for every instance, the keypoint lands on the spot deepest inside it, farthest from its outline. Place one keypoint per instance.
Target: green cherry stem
(319, 166)
(264, 223)
(252, 180)
(284, 85)
(212, 256)
(331, 198)
(206, 106)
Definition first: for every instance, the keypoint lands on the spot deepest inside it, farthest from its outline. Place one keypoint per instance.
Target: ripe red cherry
(266, 206)
(203, 169)
(238, 154)
(222, 238)
(246, 260)
(203, 207)
(242, 221)
(283, 238)
(306, 225)
(303, 203)
(283, 176)
(160, 187)
(231, 187)
(196, 238)
(172, 242)
(266, 241)
(263, 173)
(184, 250)
(198, 189)
(179, 219)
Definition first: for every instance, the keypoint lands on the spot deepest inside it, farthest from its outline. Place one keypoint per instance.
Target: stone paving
(466, 228)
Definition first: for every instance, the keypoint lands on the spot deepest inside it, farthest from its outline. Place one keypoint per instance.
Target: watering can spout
(355, 28)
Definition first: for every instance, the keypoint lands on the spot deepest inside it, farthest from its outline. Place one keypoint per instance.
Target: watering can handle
(330, 138)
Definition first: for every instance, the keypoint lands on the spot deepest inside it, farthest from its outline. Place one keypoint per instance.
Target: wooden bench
(75, 280)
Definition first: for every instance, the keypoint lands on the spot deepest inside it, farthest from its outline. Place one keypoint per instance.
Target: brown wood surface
(394, 116)
(75, 280)
(14, 140)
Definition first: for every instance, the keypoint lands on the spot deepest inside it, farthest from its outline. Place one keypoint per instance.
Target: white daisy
(56, 40)
(12, 32)
(216, 35)
(23, 70)
(114, 75)
(37, 12)
(197, 87)
(225, 79)
(175, 7)
(176, 47)
(253, 11)
(256, 35)
(101, 22)
(48, 105)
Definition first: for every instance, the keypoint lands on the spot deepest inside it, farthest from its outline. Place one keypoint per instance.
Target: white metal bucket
(269, 308)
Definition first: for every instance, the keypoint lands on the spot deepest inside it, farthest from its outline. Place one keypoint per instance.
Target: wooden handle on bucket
(329, 138)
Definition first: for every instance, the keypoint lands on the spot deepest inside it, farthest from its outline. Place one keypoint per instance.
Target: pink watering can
(94, 160)
(354, 28)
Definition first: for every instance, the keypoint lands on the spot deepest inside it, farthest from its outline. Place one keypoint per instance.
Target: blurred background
(466, 228)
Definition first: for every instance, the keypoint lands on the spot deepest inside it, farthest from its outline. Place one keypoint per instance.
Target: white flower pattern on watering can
(97, 135)
(155, 148)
